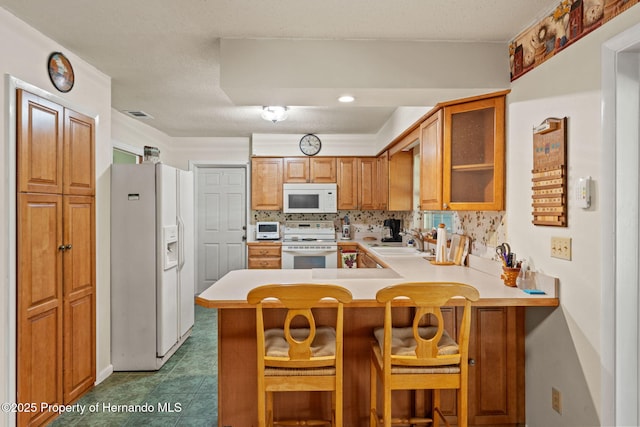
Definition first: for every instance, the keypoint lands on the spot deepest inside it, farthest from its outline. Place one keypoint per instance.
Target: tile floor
(182, 393)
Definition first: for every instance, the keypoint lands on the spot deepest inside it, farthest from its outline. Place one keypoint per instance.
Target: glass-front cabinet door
(473, 155)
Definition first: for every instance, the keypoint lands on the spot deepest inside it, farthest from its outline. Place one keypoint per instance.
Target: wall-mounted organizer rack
(549, 199)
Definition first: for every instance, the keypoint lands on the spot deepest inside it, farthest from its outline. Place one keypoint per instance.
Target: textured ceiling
(166, 57)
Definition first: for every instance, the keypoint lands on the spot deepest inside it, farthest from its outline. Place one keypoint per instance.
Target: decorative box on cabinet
(462, 155)
(266, 183)
(265, 255)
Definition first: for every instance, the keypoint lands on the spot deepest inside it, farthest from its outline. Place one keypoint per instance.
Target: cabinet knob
(61, 248)
(68, 247)
(472, 362)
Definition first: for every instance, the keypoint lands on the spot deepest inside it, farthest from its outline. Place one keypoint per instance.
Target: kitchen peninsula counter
(496, 380)
(232, 289)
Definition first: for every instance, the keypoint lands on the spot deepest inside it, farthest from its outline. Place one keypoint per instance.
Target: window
(121, 156)
(431, 219)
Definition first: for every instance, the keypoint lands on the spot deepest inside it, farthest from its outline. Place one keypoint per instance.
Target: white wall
(332, 145)
(24, 55)
(400, 120)
(563, 346)
(212, 150)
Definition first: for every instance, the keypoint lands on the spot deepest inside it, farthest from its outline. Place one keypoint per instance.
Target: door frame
(194, 165)
(9, 293)
(620, 299)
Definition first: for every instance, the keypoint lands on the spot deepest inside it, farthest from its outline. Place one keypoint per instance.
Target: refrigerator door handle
(180, 243)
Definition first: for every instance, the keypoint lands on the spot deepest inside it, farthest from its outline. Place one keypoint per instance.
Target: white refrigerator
(152, 264)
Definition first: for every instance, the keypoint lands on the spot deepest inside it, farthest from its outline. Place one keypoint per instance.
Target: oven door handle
(305, 252)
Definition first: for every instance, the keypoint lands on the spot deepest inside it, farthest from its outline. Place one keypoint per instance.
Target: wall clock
(310, 144)
(61, 72)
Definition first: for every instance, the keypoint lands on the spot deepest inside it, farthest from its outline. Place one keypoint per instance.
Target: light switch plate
(561, 247)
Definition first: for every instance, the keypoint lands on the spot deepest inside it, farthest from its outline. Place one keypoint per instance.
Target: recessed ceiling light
(346, 98)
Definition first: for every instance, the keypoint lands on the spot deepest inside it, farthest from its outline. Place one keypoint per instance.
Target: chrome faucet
(419, 239)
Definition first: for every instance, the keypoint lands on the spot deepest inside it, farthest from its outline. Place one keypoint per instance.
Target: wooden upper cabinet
(473, 158)
(400, 181)
(296, 169)
(323, 169)
(347, 173)
(314, 169)
(362, 183)
(39, 144)
(367, 182)
(79, 156)
(431, 163)
(266, 183)
(462, 155)
(56, 148)
(381, 189)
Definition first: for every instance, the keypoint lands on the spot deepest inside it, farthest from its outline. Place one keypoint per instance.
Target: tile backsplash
(485, 228)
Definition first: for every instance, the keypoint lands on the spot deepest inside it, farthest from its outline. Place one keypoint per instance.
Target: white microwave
(310, 198)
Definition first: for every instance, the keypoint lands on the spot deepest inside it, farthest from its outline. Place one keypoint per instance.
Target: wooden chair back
(427, 298)
(298, 299)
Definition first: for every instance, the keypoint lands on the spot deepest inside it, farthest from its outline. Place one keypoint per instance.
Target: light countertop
(231, 290)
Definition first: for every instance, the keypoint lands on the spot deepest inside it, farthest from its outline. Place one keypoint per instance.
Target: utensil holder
(509, 276)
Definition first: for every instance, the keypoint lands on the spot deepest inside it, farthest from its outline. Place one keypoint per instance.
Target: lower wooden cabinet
(56, 301)
(265, 255)
(496, 366)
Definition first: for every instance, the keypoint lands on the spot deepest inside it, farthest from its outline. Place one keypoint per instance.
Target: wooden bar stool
(299, 359)
(422, 356)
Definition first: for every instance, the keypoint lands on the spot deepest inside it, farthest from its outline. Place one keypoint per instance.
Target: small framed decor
(60, 72)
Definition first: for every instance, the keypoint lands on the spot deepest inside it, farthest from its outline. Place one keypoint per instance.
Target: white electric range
(309, 244)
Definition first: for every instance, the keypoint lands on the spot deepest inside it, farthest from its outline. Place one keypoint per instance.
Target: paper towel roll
(441, 244)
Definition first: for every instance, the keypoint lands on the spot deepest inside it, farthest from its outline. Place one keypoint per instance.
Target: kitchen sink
(385, 251)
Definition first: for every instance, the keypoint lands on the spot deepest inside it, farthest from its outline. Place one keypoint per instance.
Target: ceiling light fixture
(346, 98)
(274, 113)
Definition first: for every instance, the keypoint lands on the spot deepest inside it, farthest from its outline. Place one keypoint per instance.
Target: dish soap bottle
(525, 277)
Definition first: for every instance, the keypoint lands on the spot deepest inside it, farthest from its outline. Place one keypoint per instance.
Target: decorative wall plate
(60, 72)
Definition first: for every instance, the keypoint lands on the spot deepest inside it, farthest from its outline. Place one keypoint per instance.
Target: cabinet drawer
(264, 251)
(264, 262)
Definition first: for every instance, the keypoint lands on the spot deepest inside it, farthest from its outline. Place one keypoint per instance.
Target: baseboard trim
(104, 374)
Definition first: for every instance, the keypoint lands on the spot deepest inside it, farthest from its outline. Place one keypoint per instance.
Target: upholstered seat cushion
(404, 344)
(324, 343)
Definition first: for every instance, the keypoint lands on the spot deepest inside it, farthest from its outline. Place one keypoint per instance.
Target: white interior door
(620, 203)
(221, 202)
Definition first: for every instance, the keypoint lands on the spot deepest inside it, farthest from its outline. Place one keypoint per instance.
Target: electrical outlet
(561, 247)
(556, 400)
